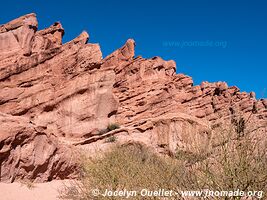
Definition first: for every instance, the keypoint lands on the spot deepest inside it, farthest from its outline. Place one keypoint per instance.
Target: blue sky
(209, 40)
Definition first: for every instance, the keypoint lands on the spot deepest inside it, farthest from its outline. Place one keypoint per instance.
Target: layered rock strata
(56, 98)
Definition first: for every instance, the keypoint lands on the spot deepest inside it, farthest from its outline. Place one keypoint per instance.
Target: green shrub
(113, 126)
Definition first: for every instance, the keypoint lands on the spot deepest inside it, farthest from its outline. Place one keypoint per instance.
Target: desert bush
(237, 162)
(131, 167)
(110, 127)
(113, 126)
(111, 139)
(28, 183)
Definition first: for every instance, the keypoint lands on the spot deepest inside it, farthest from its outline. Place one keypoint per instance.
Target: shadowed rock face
(56, 98)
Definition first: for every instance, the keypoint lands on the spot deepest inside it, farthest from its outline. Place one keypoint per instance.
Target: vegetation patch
(111, 139)
(236, 162)
(110, 127)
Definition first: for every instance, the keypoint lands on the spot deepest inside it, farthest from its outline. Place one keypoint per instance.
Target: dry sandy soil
(39, 191)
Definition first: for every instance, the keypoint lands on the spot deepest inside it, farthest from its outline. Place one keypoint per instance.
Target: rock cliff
(56, 98)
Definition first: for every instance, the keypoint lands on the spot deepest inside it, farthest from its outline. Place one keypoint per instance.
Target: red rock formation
(27, 151)
(72, 94)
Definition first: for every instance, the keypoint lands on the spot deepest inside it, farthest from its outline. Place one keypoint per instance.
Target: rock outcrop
(28, 152)
(56, 98)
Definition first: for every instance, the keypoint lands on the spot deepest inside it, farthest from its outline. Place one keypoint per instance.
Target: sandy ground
(36, 191)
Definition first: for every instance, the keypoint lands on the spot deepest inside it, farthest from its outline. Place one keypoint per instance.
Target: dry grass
(237, 160)
(131, 167)
(28, 183)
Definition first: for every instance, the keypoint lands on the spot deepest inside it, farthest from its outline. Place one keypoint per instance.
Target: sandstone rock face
(27, 151)
(56, 98)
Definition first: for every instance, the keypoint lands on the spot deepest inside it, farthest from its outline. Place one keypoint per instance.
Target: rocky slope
(57, 98)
